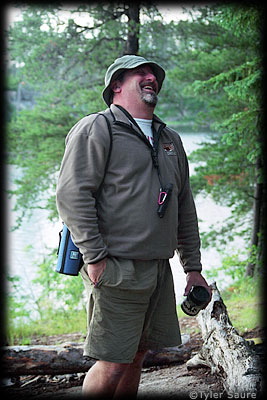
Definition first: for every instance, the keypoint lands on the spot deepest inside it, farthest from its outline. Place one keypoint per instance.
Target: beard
(150, 99)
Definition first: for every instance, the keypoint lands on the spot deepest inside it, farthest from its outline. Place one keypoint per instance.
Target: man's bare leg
(102, 379)
(107, 379)
(129, 382)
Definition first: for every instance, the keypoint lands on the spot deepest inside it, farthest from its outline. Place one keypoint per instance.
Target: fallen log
(68, 358)
(224, 351)
(166, 356)
(44, 360)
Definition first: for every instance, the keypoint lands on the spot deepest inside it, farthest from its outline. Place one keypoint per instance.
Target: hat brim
(158, 71)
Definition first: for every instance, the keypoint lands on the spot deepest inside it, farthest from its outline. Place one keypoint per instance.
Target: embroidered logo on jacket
(169, 149)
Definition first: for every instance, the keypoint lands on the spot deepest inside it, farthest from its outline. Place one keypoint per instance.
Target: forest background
(214, 80)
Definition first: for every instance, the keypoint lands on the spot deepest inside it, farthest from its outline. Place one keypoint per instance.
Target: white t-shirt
(146, 127)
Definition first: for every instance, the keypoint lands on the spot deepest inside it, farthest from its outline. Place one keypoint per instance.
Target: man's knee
(112, 370)
(115, 370)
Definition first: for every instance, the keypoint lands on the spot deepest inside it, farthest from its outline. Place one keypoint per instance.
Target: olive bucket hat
(128, 62)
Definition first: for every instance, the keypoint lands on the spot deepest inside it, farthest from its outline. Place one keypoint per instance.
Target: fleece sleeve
(81, 174)
(188, 245)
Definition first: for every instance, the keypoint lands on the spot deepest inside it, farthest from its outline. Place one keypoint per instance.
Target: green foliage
(224, 71)
(233, 265)
(244, 303)
(16, 303)
(40, 134)
(58, 292)
(59, 301)
(54, 322)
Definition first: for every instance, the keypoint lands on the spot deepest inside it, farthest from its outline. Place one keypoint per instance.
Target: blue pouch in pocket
(69, 260)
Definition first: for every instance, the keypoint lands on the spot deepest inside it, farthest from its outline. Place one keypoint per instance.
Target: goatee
(150, 99)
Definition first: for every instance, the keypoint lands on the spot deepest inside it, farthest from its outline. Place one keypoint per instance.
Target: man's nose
(151, 77)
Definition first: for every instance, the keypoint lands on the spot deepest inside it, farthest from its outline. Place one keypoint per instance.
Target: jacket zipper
(153, 149)
(133, 122)
(140, 136)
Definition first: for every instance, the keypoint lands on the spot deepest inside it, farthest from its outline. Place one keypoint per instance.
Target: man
(128, 207)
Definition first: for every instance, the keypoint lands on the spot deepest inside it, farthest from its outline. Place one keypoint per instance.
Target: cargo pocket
(119, 273)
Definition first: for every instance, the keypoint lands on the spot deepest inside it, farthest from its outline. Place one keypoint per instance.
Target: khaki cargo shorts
(132, 309)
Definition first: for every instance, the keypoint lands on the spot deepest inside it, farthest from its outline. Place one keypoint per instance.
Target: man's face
(140, 84)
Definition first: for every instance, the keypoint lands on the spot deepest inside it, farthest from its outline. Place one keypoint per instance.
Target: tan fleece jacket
(123, 221)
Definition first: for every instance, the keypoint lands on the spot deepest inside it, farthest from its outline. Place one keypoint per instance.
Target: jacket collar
(121, 115)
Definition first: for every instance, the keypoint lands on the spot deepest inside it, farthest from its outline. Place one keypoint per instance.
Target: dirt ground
(172, 382)
(169, 381)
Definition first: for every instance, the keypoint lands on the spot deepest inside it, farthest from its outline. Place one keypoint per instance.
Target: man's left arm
(188, 245)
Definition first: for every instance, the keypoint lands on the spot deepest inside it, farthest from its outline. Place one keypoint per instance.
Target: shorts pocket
(85, 276)
(119, 273)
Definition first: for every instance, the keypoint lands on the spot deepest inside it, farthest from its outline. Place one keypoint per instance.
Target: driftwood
(68, 358)
(225, 351)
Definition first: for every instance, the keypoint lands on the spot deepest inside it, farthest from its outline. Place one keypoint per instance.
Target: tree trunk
(257, 221)
(67, 359)
(224, 351)
(132, 44)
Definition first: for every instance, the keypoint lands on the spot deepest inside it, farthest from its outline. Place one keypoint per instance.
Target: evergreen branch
(114, 16)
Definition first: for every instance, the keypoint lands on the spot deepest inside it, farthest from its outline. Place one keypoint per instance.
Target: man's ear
(115, 86)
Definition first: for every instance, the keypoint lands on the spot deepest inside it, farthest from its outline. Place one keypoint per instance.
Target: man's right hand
(95, 271)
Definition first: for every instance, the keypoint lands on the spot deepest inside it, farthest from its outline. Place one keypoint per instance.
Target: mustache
(152, 84)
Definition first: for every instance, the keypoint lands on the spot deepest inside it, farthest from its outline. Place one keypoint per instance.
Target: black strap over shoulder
(69, 257)
(109, 152)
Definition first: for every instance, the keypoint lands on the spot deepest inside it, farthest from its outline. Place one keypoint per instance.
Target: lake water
(29, 244)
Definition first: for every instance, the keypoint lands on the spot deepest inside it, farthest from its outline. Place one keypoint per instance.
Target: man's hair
(120, 76)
